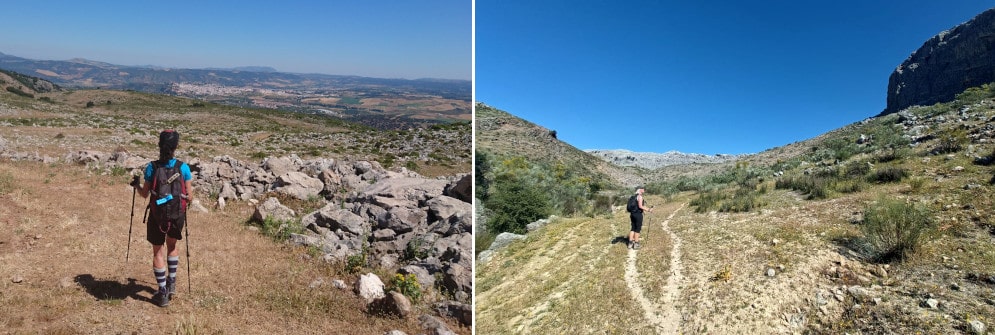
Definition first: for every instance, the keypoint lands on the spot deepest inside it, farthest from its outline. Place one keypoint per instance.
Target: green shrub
(411, 165)
(950, 141)
(888, 175)
(847, 186)
(356, 263)
(816, 187)
(744, 200)
(516, 204)
(857, 169)
(707, 201)
(407, 285)
(917, 183)
(417, 248)
(896, 229)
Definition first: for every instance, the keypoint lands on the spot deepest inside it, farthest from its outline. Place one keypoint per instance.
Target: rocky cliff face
(945, 65)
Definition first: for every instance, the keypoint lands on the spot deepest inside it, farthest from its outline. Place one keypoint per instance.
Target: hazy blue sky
(378, 38)
(698, 76)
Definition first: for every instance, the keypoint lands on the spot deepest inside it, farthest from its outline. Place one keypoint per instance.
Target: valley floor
(789, 268)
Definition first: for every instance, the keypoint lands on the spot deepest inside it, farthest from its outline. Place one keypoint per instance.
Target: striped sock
(160, 277)
(174, 262)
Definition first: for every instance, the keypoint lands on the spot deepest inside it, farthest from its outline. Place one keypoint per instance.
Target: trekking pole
(186, 227)
(131, 223)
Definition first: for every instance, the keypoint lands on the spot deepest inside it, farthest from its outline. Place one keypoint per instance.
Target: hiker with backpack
(168, 182)
(636, 206)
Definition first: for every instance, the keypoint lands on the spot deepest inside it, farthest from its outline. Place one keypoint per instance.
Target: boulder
(457, 310)
(457, 278)
(976, 327)
(444, 207)
(504, 239)
(299, 185)
(536, 225)
(304, 240)
(279, 166)
(332, 181)
(227, 191)
(394, 303)
(403, 219)
(415, 189)
(85, 157)
(335, 218)
(369, 287)
(434, 325)
(460, 189)
(271, 208)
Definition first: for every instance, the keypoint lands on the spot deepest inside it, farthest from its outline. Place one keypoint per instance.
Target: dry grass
(567, 278)
(65, 233)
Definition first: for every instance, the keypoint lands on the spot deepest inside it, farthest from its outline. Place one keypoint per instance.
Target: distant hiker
(168, 181)
(635, 206)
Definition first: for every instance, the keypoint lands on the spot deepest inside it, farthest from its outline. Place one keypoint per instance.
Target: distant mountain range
(84, 73)
(652, 160)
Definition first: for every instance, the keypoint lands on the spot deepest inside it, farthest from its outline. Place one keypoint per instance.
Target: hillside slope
(503, 134)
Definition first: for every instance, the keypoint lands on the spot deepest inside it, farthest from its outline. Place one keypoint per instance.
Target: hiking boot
(636, 246)
(629, 246)
(161, 298)
(170, 287)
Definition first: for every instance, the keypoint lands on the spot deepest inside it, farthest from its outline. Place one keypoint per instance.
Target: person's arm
(642, 206)
(188, 181)
(144, 191)
(189, 190)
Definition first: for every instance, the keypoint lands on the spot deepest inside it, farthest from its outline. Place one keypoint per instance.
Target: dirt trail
(664, 316)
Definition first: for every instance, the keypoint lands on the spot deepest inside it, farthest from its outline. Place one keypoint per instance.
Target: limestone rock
(459, 311)
(299, 185)
(369, 287)
(460, 189)
(504, 239)
(272, 208)
(394, 303)
(434, 325)
(976, 327)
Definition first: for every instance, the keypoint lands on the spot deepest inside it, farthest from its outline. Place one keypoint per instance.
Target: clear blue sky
(698, 76)
(375, 38)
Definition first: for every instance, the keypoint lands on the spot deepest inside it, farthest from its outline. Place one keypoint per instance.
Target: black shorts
(637, 221)
(157, 233)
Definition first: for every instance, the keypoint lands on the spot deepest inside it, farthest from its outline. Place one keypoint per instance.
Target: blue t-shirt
(184, 169)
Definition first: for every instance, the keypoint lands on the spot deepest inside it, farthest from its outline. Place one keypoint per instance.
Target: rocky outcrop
(945, 65)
